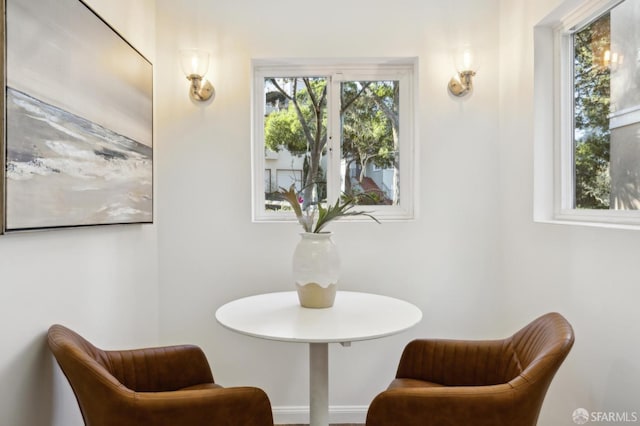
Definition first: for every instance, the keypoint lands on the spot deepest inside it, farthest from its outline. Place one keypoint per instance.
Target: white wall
(99, 281)
(590, 275)
(446, 261)
(474, 273)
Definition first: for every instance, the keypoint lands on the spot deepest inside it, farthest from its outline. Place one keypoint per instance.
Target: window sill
(591, 222)
(385, 214)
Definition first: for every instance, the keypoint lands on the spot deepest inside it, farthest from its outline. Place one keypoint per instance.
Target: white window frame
(553, 122)
(403, 69)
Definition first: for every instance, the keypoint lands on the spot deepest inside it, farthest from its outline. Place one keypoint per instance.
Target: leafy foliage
(592, 104)
(367, 131)
(299, 126)
(369, 114)
(593, 182)
(283, 130)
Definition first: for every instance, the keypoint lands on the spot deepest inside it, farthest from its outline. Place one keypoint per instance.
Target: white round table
(353, 317)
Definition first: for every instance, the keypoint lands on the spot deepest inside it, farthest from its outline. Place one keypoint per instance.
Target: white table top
(353, 317)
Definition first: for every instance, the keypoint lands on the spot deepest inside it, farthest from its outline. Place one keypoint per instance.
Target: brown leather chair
(475, 383)
(166, 386)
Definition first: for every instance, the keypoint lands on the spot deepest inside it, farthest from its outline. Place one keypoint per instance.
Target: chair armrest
(466, 405)
(456, 362)
(160, 369)
(247, 406)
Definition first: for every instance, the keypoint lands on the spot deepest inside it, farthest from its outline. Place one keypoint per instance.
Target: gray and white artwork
(79, 120)
(64, 170)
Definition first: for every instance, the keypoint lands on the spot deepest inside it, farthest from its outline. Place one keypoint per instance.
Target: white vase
(316, 269)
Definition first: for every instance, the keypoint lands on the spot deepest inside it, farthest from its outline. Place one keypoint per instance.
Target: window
(596, 156)
(334, 128)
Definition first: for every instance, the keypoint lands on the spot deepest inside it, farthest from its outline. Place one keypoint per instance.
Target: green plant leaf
(342, 207)
(339, 209)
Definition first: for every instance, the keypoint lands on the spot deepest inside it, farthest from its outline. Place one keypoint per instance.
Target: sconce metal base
(200, 91)
(463, 84)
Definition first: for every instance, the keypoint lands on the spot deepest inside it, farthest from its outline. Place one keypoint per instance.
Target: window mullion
(333, 139)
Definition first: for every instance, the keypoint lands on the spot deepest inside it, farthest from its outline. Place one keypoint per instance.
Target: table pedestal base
(319, 384)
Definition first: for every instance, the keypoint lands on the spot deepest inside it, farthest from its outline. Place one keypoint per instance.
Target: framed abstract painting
(77, 119)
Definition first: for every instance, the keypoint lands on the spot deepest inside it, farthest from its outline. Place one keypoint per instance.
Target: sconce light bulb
(467, 60)
(194, 64)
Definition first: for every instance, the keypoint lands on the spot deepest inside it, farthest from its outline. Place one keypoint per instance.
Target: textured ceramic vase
(316, 269)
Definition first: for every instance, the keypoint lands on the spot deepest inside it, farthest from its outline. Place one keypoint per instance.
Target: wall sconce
(463, 83)
(195, 64)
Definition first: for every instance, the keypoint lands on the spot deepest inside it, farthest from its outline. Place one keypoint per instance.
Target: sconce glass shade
(194, 62)
(465, 60)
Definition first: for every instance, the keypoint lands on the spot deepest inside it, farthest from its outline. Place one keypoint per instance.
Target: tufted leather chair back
(488, 382)
(164, 386)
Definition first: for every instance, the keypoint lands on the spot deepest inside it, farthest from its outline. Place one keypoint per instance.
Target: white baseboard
(337, 414)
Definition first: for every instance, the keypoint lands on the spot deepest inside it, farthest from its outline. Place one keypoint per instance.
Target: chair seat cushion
(202, 386)
(412, 383)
